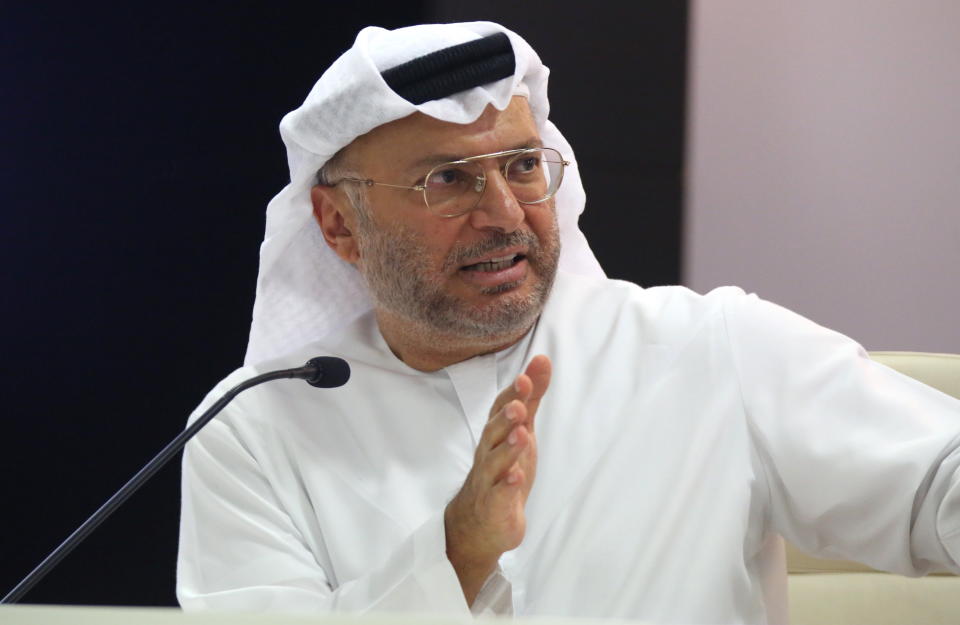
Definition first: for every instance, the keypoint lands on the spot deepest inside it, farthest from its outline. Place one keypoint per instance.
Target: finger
(531, 383)
(522, 387)
(528, 457)
(506, 502)
(496, 464)
(513, 477)
(538, 372)
(498, 427)
(509, 394)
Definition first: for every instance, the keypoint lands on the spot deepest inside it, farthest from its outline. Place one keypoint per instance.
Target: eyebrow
(437, 159)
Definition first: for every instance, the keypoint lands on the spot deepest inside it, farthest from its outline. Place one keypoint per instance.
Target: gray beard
(396, 269)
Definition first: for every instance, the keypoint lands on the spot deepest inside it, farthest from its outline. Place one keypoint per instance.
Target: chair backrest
(941, 371)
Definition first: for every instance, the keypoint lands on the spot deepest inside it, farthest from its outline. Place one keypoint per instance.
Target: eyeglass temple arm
(370, 183)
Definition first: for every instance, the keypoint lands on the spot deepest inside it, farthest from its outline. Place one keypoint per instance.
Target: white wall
(823, 162)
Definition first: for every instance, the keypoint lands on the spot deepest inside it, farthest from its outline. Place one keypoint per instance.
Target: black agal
(452, 70)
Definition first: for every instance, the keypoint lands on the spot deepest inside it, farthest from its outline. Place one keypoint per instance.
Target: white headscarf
(304, 290)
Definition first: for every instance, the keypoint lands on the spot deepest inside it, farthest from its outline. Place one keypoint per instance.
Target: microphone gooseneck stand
(322, 372)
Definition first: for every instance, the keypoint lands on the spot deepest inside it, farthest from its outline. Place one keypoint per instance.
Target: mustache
(497, 241)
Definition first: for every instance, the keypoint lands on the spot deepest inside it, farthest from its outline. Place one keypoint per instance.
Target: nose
(498, 208)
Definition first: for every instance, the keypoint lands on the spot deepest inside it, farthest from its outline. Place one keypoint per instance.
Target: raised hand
(486, 518)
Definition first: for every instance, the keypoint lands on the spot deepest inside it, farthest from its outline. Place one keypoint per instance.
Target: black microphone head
(331, 372)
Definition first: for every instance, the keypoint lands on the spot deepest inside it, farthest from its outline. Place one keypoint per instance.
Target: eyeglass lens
(454, 188)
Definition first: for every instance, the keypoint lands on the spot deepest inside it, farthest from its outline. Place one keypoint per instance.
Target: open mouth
(495, 264)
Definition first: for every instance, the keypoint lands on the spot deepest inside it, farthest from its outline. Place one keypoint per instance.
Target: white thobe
(679, 436)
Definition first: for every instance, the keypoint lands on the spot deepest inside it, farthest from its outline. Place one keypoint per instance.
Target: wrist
(465, 542)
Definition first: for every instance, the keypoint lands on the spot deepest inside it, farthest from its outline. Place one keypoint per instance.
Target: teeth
(494, 264)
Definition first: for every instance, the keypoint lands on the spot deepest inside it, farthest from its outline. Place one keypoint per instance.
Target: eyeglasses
(452, 189)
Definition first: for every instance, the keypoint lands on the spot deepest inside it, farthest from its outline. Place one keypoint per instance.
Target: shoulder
(595, 308)
(664, 313)
(571, 287)
(358, 343)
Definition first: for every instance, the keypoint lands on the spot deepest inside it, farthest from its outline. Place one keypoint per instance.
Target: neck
(426, 349)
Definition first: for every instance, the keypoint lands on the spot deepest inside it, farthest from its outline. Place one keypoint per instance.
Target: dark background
(139, 150)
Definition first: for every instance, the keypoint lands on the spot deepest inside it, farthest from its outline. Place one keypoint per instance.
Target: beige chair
(834, 592)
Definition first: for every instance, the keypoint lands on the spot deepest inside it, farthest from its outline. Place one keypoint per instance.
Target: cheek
(442, 235)
(543, 221)
(426, 243)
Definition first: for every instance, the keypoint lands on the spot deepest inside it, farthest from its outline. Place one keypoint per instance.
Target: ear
(329, 209)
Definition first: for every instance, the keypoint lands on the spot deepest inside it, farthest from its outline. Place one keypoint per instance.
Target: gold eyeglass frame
(481, 183)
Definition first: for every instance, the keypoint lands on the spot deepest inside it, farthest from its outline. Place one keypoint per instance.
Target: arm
(486, 518)
(861, 462)
(240, 550)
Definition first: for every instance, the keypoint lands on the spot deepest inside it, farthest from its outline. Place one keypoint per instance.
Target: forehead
(419, 139)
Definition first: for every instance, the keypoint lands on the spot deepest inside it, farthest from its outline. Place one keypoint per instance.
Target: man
(521, 435)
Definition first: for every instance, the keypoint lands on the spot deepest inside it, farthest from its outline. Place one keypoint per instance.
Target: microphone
(321, 372)
(330, 372)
